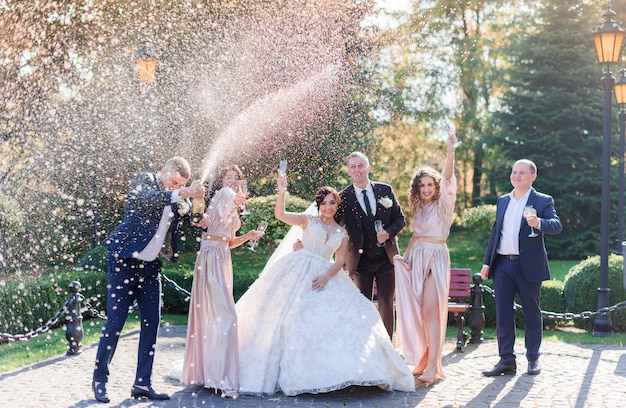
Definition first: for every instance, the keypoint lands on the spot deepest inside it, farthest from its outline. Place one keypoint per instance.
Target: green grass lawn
(53, 342)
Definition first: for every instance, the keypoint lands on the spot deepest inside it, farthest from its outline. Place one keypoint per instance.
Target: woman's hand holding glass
(452, 140)
(243, 188)
(260, 231)
(204, 222)
(241, 199)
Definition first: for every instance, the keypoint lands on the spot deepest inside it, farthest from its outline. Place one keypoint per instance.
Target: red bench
(458, 301)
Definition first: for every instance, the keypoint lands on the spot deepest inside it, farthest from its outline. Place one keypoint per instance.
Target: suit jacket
(354, 218)
(532, 251)
(144, 208)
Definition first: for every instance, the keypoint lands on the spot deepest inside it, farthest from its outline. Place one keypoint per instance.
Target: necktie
(368, 208)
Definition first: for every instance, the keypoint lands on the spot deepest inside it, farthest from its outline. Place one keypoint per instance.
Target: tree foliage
(552, 115)
(245, 82)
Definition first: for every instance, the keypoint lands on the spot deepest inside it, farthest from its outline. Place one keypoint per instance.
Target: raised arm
(279, 211)
(449, 168)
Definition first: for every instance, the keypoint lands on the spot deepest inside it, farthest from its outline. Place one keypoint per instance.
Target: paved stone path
(577, 376)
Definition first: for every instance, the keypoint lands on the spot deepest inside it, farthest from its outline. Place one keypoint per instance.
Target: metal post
(602, 324)
(74, 331)
(620, 198)
(477, 315)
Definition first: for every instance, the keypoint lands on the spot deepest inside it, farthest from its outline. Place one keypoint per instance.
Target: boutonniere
(182, 207)
(385, 201)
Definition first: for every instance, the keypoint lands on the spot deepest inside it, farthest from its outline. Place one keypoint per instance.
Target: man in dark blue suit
(517, 262)
(370, 253)
(154, 205)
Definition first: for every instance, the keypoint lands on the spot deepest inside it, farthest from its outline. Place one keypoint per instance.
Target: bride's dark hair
(323, 192)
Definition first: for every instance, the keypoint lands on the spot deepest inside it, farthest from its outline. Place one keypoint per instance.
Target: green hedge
(29, 303)
(581, 290)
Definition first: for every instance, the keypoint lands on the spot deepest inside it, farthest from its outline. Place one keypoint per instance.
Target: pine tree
(552, 114)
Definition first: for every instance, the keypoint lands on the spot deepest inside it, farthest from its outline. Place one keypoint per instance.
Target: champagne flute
(449, 128)
(262, 227)
(243, 187)
(378, 226)
(528, 211)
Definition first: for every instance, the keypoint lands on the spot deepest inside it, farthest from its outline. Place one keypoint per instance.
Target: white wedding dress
(297, 340)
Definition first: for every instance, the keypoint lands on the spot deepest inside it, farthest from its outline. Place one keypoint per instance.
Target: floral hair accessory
(183, 207)
(385, 201)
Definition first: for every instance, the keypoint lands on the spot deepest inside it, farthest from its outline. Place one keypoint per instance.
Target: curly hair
(415, 201)
(220, 177)
(323, 192)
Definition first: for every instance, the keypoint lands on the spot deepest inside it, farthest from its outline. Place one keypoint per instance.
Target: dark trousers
(130, 279)
(508, 280)
(374, 264)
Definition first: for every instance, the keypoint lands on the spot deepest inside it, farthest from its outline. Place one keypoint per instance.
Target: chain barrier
(7, 338)
(176, 287)
(52, 322)
(94, 312)
(566, 316)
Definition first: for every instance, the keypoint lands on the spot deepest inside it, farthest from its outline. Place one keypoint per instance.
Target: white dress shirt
(151, 251)
(370, 195)
(509, 238)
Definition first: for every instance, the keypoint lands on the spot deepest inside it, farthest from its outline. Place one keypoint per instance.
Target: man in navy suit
(517, 262)
(152, 214)
(370, 254)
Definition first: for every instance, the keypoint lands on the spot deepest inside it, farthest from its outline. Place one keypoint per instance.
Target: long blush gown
(297, 340)
(427, 254)
(211, 352)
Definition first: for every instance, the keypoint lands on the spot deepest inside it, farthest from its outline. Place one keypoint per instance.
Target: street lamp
(146, 68)
(620, 97)
(608, 40)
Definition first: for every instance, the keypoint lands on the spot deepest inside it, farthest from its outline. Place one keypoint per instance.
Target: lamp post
(620, 97)
(608, 40)
(146, 68)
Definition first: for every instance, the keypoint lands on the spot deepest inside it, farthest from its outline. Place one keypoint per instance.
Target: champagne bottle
(197, 209)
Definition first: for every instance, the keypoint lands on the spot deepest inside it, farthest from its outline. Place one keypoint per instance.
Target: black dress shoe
(502, 369)
(150, 393)
(534, 367)
(100, 392)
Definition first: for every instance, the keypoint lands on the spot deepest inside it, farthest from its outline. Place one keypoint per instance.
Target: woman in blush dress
(304, 327)
(423, 275)
(211, 351)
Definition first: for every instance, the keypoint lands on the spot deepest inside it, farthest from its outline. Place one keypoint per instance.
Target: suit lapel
(502, 210)
(377, 194)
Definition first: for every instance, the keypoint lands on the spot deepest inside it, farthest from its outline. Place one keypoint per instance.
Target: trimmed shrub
(95, 259)
(552, 300)
(479, 218)
(581, 290)
(29, 303)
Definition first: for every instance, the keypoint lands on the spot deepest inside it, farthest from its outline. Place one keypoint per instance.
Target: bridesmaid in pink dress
(211, 352)
(423, 275)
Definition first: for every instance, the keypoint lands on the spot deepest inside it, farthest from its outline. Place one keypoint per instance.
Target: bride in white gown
(303, 325)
